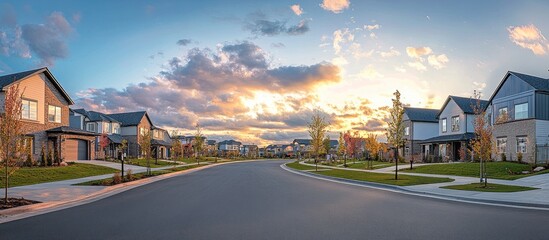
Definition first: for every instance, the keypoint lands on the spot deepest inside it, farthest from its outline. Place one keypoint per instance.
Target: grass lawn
(143, 163)
(497, 170)
(137, 176)
(384, 178)
(492, 187)
(375, 164)
(34, 175)
(297, 166)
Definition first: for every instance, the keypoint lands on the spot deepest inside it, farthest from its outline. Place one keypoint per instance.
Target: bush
(42, 157)
(116, 178)
(519, 157)
(503, 157)
(129, 175)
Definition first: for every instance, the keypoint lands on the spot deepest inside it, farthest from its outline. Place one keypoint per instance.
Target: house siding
(451, 110)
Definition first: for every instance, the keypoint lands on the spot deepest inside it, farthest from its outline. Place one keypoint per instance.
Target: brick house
(100, 123)
(45, 116)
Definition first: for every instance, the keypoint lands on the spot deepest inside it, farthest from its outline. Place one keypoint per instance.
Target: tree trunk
(396, 163)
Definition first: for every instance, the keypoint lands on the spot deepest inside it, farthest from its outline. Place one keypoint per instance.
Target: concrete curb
(17, 213)
(398, 189)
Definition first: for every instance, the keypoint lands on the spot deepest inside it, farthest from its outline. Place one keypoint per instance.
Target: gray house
(519, 112)
(455, 129)
(99, 123)
(419, 124)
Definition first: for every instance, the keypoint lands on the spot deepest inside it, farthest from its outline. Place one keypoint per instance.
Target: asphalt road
(259, 200)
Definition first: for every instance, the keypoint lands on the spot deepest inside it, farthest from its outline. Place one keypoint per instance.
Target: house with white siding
(419, 124)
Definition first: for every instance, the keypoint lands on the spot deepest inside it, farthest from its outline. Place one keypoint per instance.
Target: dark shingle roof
(421, 114)
(130, 118)
(536, 82)
(160, 142)
(302, 141)
(6, 80)
(230, 142)
(467, 104)
(67, 129)
(449, 138)
(115, 138)
(95, 116)
(211, 142)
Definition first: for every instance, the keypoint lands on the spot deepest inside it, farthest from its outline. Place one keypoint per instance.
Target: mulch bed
(15, 202)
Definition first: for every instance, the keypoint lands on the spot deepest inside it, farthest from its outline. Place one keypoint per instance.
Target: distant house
(211, 147)
(455, 129)
(419, 124)
(303, 147)
(519, 112)
(99, 123)
(188, 144)
(160, 143)
(229, 148)
(250, 151)
(45, 116)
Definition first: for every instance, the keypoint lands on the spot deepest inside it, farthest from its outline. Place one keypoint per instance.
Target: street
(259, 200)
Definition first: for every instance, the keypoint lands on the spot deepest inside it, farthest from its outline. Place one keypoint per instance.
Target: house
(419, 124)
(519, 112)
(303, 147)
(188, 145)
(250, 151)
(229, 148)
(160, 143)
(45, 116)
(455, 130)
(99, 123)
(211, 147)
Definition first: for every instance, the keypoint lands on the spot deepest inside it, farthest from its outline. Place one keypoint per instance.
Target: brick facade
(512, 130)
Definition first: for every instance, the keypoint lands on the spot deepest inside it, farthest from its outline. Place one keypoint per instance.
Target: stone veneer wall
(512, 130)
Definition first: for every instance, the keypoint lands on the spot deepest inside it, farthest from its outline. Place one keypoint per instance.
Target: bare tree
(12, 150)
(395, 129)
(198, 142)
(317, 130)
(145, 146)
(482, 144)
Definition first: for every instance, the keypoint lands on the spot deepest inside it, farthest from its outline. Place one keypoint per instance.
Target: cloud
(184, 42)
(46, 40)
(418, 52)
(439, 61)
(372, 125)
(259, 24)
(391, 53)
(371, 28)
(335, 6)
(529, 37)
(417, 65)
(297, 9)
(341, 36)
(369, 72)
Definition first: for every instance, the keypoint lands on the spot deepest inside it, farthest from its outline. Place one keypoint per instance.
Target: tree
(176, 148)
(326, 145)
(198, 142)
(353, 141)
(145, 146)
(317, 130)
(123, 147)
(103, 143)
(482, 144)
(12, 151)
(395, 129)
(341, 145)
(372, 146)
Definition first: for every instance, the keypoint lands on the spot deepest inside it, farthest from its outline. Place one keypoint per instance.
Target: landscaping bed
(403, 180)
(143, 163)
(15, 202)
(491, 187)
(35, 175)
(116, 179)
(497, 170)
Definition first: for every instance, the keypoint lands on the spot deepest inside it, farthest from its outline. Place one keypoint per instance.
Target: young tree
(12, 152)
(103, 144)
(395, 129)
(123, 147)
(198, 142)
(145, 146)
(372, 146)
(341, 145)
(176, 148)
(317, 130)
(482, 144)
(326, 145)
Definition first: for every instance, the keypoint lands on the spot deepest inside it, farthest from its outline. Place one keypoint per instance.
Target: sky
(256, 71)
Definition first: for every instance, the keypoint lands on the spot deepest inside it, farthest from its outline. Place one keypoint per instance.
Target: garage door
(76, 149)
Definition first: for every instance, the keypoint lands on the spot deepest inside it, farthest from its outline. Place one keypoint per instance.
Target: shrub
(503, 157)
(116, 178)
(43, 157)
(129, 175)
(29, 162)
(519, 157)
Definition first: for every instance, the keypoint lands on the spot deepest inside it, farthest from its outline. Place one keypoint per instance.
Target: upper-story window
(444, 128)
(455, 124)
(115, 128)
(90, 127)
(107, 127)
(54, 114)
(503, 115)
(407, 131)
(29, 109)
(521, 111)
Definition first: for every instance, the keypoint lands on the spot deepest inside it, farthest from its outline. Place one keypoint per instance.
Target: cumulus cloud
(297, 9)
(391, 53)
(184, 42)
(439, 61)
(418, 52)
(529, 37)
(46, 41)
(341, 36)
(335, 6)
(259, 24)
(371, 28)
(213, 87)
(372, 125)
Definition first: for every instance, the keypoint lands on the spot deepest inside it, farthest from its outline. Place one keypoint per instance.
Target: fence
(542, 154)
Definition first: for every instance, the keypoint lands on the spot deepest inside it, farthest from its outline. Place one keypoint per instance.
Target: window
(406, 131)
(107, 128)
(502, 115)
(116, 128)
(54, 114)
(521, 111)
(29, 109)
(501, 144)
(407, 151)
(455, 124)
(90, 127)
(521, 144)
(444, 125)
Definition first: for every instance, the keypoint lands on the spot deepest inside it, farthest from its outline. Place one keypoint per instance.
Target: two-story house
(229, 147)
(519, 113)
(249, 150)
(100, 123)
(455, 129)
(160, 143)
(132, 126)
(419, 124)
(45, 116)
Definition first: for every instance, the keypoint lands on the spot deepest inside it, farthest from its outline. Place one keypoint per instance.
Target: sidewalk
(534, 198)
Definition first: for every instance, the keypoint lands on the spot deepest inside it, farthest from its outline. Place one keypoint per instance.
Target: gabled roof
(536, 82)
(449, 138)
(421, 114)
(130, 118)
(70, 130)
(211, 142)
(10, 79)
(115, 138)
(94, 116)
(302, 141)
(230, 142)
(466, 104)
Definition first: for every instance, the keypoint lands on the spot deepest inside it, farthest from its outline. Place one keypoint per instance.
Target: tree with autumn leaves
(482, 145)
(395, 129)
(372, 146)
(317, 130)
